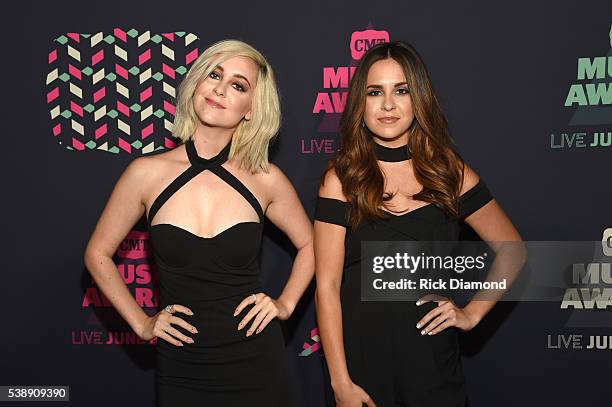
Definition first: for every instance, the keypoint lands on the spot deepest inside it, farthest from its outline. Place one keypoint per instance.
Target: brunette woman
(398, 177)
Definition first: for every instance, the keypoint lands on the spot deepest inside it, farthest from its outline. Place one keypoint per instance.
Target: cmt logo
(361, 41)
(134, 246)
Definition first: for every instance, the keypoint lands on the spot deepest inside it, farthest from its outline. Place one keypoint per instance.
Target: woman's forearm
(329, 322)
(108, 279)
(302, 272)
(509, 260)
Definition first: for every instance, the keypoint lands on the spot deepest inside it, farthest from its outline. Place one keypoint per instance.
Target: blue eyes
(214, 75)
(399, 91)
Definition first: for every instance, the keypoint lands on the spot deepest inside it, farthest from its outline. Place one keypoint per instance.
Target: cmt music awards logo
(590, 97)
(104, 325)
(329, 102)
(114, 91)
(589, 298)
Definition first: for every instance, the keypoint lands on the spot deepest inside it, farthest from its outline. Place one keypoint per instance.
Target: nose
(219, 91)
(388, 104)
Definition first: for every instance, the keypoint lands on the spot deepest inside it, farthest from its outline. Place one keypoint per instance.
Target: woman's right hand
(351, 395)
(160, 325)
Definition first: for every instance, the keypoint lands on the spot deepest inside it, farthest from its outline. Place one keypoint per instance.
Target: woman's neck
(398, 141)
(210, 140)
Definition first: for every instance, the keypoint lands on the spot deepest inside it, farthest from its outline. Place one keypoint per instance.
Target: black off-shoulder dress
(386, 354)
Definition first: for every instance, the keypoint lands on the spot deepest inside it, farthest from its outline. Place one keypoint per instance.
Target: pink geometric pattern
(111, 91)
(309, 349)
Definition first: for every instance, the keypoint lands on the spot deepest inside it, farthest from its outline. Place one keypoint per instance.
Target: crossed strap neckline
(199, 164)
(195, 159)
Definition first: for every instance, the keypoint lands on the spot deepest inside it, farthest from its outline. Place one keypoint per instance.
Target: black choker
(391, 154)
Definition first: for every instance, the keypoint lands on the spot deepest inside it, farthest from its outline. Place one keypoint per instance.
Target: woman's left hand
(264, 309)
(446, 314)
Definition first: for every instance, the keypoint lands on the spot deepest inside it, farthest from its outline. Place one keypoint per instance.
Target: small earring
(363, 124)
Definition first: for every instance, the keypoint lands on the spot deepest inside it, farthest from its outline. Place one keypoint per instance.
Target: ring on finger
(169, 309)
(254, 298)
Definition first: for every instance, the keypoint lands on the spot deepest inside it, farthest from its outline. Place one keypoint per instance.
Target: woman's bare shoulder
(470, 179)
(272, 180)
(331, 186)
(147, 168)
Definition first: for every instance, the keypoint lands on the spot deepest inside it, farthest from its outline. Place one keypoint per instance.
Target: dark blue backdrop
(502, 71)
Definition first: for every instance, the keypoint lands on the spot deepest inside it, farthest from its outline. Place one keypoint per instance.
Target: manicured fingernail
(180, 343)
(248, 333)
(190, 340)
(430, 332)
(418, 326)
(418, 303)
(423, 332)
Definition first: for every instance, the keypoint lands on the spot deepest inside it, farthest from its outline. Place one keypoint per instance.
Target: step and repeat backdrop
(90, 86)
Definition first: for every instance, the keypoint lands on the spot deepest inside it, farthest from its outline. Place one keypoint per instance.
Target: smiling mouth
(388, 120)
(214, 104)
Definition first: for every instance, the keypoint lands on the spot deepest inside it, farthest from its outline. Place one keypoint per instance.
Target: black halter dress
(386, 354)
(212, 276)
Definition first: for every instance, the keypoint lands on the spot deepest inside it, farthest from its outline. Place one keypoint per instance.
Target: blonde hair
(250, 141)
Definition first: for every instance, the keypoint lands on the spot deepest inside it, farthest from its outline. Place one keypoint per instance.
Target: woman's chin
(389, 135)
(212, 121)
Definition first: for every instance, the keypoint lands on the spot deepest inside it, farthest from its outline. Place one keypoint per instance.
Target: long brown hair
(437, 165)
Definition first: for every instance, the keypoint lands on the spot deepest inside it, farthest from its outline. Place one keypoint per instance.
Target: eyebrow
(236, 75)
(380, 86)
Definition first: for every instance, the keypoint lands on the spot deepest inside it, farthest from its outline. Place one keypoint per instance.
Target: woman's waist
(202, 291)
(219, 334)
(211, 298)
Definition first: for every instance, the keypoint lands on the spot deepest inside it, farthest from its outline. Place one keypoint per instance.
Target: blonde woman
(219, 340)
